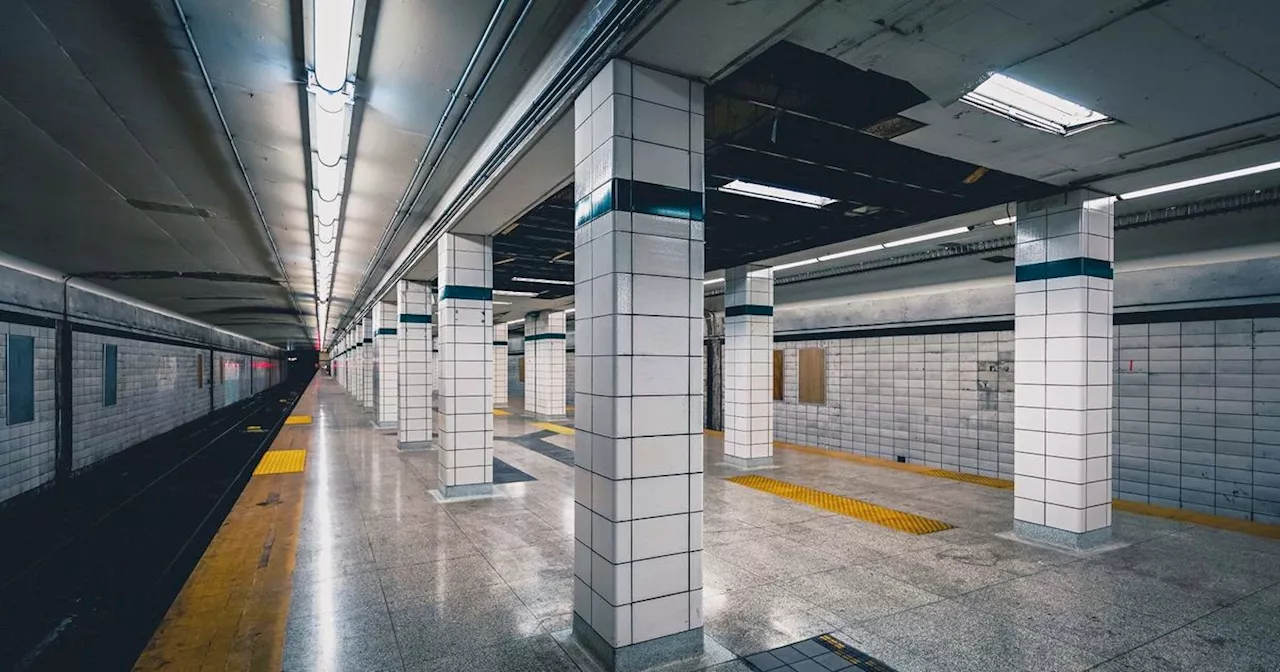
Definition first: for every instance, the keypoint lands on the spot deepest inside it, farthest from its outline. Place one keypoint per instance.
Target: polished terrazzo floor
(387, 578)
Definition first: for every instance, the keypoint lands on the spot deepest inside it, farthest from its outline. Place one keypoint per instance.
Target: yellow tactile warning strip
(298, 420)
(232, 611)
(500, 412)
(281, 462)
(558, 429)
(1140, 508)
(253, 429)
(845, 506)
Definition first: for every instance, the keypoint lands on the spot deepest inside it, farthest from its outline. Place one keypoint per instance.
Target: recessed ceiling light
(1208, 179)
(1004, 220)
(713, 281)
(512, 292)
(928, 236)
(1027, 105)
(501, 303)
(777, 194)
(543, 281)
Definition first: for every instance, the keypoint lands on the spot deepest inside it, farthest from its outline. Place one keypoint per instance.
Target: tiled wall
(27, 450)
(156, 390)
(1198, 416)
(943, 400)
(1197, 422)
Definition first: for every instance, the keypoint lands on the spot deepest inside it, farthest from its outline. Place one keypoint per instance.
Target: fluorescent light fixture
(329, 180)
(501, 303)
(928, 236)
(850, 253)
(1029, 106)
(519, 321)
(570, 310)
(1208, 179)
(332, 41)
(330, 132)
(713, 281)
(794, 264)
(1004, 220)
(543, 281)
(512, 292)
(777, 194)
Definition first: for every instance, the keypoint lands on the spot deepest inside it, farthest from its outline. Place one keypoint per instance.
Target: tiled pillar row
(499, 366)
(370, 364)
(748, 366)
(413, 336)
(466, 365)
(544, 371)
(1062, 370)
(387, 358)
(638, 250)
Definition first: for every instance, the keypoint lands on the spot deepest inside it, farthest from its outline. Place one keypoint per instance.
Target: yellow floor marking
(1140, 508)
(298, 420)
(281, 462)
(500, 411)
(845, 506)
(558, 429)
(232, 611)
(253, 429)
(1206, 519)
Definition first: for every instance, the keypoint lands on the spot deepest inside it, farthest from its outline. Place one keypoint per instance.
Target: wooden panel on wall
(813, 376)
(521, 378)
(779, 367)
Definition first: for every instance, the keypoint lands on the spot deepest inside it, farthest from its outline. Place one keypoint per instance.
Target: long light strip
(1208, 179)
(776, 194)
(514, 292)
(928, 236)
(330, 98)
(862, 250)
(543, 281)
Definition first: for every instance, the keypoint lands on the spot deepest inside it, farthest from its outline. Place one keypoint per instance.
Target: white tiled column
(544, 371)
(499, 366)
(638, 250)
(1063, 369)
(413, 336)
(369, 365)
(748, 366)
(466, 366)
(388, 357)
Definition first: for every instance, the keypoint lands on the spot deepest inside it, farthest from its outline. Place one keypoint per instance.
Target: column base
(643, 656)
(416, 445)
(749, 463)
(385, 427)
(454, 493)
(1052, 536)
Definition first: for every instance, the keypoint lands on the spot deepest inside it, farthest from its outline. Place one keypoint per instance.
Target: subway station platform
(353, 564)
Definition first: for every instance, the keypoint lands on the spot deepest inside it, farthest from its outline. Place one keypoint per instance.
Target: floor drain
(826, 652)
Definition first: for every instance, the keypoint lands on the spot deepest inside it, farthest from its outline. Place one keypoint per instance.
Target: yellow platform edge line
(558, 429)
(281, 462)
(298, 420)
(845, 506)
(232, 611)
(1140, 508)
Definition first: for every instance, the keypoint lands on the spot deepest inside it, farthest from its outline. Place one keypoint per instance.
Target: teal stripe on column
(386, 331)
(500, 343)
(544, 337)
(466, 292)
(1065, 268)
(414, 318)
(750, 309)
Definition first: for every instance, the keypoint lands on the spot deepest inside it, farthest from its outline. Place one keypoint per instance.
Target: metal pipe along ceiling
(253, 195)
(401, 213)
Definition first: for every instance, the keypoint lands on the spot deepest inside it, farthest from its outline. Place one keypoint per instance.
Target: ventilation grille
(892, 127)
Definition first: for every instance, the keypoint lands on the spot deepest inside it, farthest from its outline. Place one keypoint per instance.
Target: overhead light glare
(519, 321)
(928, 236)
(794, 264)
(1208, 179)
(1004, 220)
(713, 281)
(542, 281)
(513, 292)
(850, 253)
(332, 45)
(777, 194)
(1027, 105)
(501, 303)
